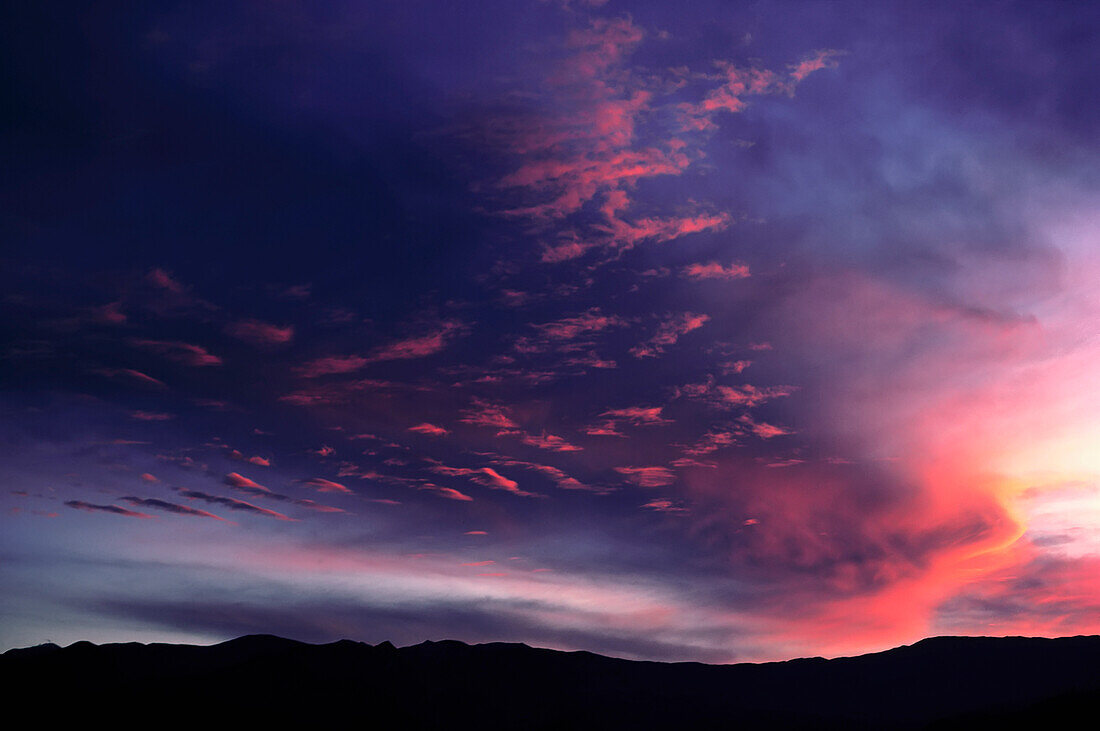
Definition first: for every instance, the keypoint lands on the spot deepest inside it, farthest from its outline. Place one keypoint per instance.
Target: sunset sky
(704, 330)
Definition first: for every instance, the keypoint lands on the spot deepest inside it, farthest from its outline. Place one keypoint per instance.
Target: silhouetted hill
(944, 682)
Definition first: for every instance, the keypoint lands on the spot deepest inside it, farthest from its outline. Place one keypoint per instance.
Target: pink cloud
(823, 59)
(738, 83)
(648, 476)
(311, 505)
(486, 476)
(689, 462)
(108, 314)
(171, 507)
(638, 415)
(732, 368)
(113, 509)
(331, 365)
(714, 270)
(549, 441)
(762, 429)
(483, 413)
(429, 429)
(162, 279)
(668, 333)
(448, 492)
(149, 478)
(559, 477)
(591, 153)
(589, 360)
(232, 503)
(240, 482)
(326, 485)
(420, 346)
(415, 347)
(186, 353)
(712, 441)
(664, 506)
(624, 235)
(605, 429)
(744, 395)
(131, 376)
(260, 333)
(140, 377)
(258, 461)
(564, 252)
(600, 46)
(151, 416)
(571, 328)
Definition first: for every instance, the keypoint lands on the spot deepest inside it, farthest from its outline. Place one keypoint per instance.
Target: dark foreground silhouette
(944, 682)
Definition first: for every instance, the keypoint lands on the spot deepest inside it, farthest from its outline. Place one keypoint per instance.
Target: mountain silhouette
(942, 682)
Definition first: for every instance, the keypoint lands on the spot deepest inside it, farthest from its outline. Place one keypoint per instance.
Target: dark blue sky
(718, 331)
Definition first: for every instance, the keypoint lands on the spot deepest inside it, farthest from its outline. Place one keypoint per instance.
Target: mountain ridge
(941, 682)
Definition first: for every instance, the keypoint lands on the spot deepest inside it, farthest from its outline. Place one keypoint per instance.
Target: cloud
(331, 365)
(648, 476)
(483, 413)
(258, 332)
(739, 83)
(420, 346)
(822, 59)
(113, 509)
(551, 442)
(163, 280)
(762, 429)
(244, 484)
(661, 505)
(180, 352)
(169, 507)
(744, 395)
(604, 429)
(429, 430)
(560, 478)
(108, 314)
(236, 454)
(231, 503)
(636, 415)
(448, 492)
(486, 476)
(714, 270)
(140, 415)
(327, 485)
(625, 234)
(129, 375)
(712, 441)
(668, 333)
(561, 334)
(582, 150)
(311, 505)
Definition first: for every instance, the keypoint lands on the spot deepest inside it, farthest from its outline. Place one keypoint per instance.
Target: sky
(679, 331)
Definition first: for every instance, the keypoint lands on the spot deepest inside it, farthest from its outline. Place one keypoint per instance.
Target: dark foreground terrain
(944, 682)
